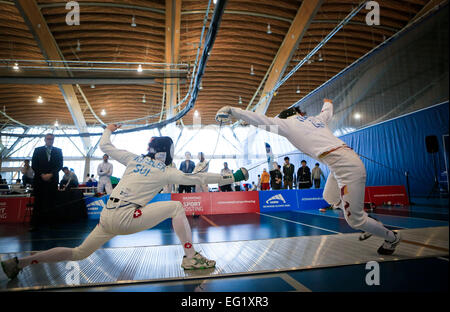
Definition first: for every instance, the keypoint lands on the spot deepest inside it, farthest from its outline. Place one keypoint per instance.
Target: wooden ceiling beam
(299, 26)
(172, 51)
(44, 38)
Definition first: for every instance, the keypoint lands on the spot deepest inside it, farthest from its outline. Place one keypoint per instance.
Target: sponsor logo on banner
(95, 205)
(278, 200)
(194, 203)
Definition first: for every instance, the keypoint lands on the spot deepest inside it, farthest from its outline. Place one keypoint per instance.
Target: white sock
(376, 228)
(183, 230)
(52, 255)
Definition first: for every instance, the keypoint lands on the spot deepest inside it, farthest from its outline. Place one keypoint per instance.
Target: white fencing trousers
(126, 220)
(104, 184)
(119, 221)
(346, 183)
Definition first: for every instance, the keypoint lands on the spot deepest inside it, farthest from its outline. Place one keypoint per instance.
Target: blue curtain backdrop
(398, 145)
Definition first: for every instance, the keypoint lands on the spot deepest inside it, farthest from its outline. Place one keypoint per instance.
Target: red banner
(387, 195)
(194, 203)
(15, 209)
(218, 202)
(234, 202)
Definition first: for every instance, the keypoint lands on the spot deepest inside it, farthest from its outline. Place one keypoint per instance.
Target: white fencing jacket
(310, 135)
(145, 177)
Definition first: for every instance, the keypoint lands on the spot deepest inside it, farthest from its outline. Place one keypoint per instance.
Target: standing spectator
(93, 180)
(258, 186)
(46, 162)
(187, 166)
(27, 173)
(104, 171)
(304, 176)
(288, 171)
(226, 171)
(69, 179)
(3, 184)
(276, 177)
(202, 166)
(254, 186)
(316, 174)
(265, 180)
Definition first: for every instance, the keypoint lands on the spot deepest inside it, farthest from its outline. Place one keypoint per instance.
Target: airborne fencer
(128, 210)
(346, 182)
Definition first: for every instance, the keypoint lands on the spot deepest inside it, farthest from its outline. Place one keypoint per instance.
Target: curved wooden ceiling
(106, 34)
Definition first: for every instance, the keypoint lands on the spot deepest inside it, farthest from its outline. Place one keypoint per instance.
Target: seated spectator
(69, 179)
(3, 184)
(27, 173)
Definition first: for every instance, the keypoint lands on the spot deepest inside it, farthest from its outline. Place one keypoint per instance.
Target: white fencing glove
(223, 114)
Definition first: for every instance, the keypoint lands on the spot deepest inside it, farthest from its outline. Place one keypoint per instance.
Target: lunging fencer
(346, 183)
(127, 210)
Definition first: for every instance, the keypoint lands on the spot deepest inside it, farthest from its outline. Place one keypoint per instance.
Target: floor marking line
(340, 218)
(294, 283)
(209, 221)
(316, 227)
(423, 245)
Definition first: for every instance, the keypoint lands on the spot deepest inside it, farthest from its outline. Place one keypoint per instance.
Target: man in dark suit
(186, 166)
(47, 161)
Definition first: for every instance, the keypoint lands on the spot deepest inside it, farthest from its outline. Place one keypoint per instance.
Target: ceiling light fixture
(215, 1)
(357, 116)
(40, 100)
(56, 123)
(78, 46)
(201, 86)
(240, 100)
(251, 71)
(320, 58)
(268, 29)
(103, 112)
(92, 86)
(16, 66)
(133, 21)
(196, 113)
(139, 69)
(143, 99)
(298, 90)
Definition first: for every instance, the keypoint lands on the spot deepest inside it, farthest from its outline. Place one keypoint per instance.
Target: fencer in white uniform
(104, 172)
(346, 183)
(128, 210)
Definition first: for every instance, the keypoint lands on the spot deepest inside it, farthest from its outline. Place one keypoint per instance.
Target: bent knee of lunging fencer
(356, 222)
(178, 209)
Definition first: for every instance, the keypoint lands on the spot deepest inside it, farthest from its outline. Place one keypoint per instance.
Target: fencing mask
(161, 148)
(291, 112)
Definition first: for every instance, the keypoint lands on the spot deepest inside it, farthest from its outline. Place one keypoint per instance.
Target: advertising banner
(388, 195)
(194, 203)
(311, 199)
(234, 202)
(281, 200)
